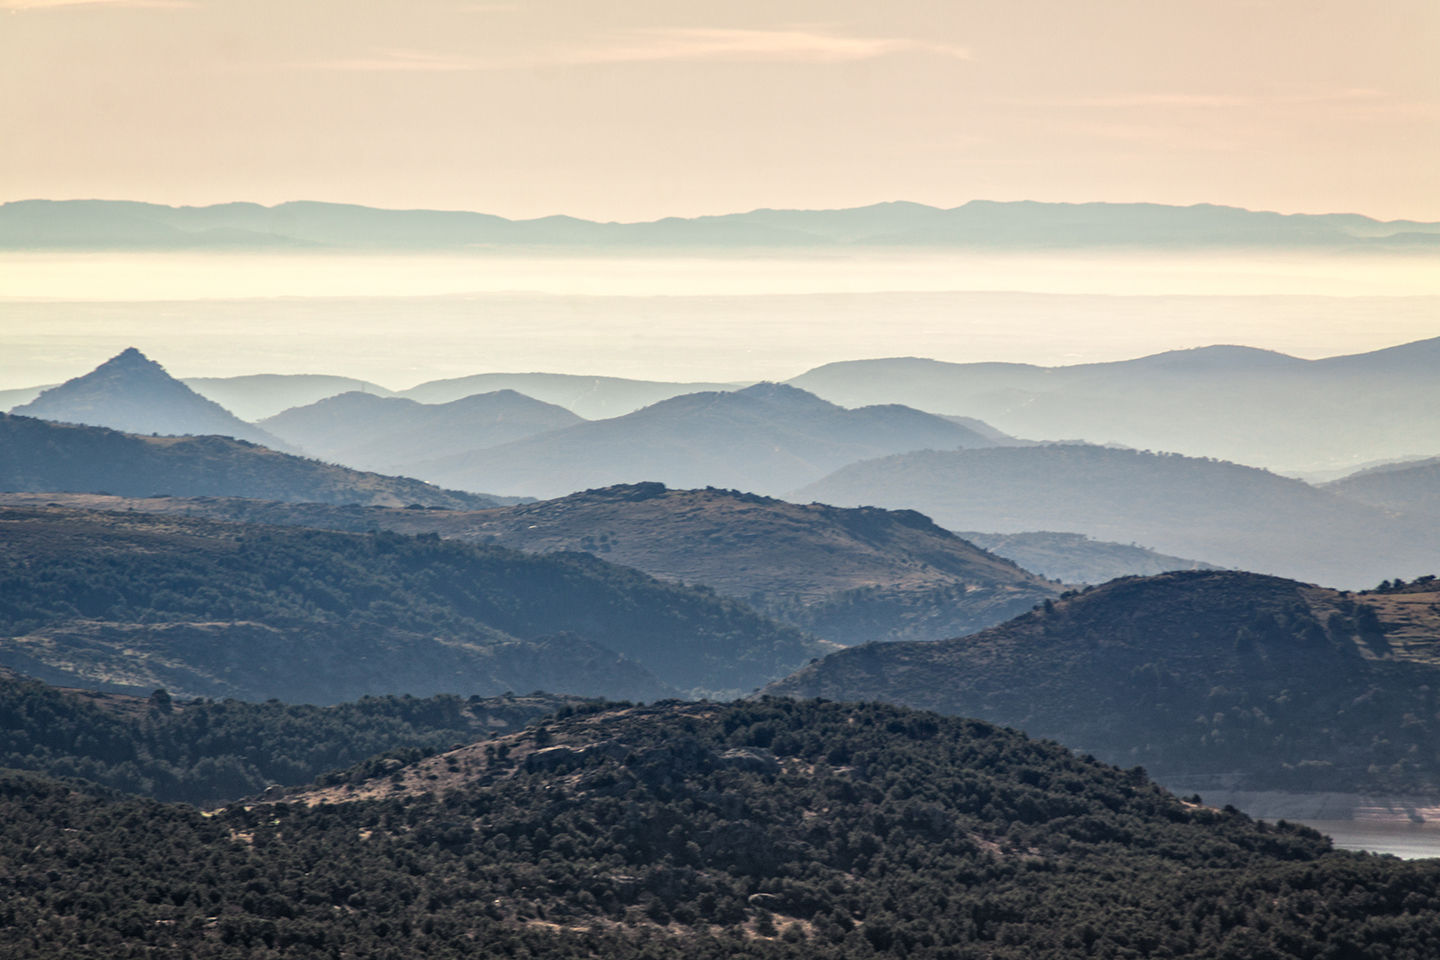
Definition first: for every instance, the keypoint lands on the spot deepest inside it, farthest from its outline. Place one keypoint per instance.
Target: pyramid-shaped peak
(133, 393)
(129, 359)
(130, 355)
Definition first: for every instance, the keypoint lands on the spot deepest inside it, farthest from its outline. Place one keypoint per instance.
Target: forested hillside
(211, 752)
(762, 830)
(1227, 677)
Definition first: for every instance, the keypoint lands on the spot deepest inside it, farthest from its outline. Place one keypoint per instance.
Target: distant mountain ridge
(1076, 558)
(767, 439)
(1409, 488)
(108, 224)
(594, 398)
(1229, 514)
(391, 434)
(132, 393)
(257, 396)
(1237, 403)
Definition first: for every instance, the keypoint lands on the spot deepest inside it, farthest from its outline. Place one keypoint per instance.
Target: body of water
(1409, 841)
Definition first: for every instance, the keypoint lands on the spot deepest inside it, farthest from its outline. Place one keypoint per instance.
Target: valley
(701, 667)
(681, 481)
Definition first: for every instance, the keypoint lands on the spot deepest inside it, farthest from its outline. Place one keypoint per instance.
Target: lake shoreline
(1366, 808)
(1405, 826)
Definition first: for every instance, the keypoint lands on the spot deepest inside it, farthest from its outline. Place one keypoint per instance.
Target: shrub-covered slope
(846, 575)
(761, 830)
(217, 609)
(211, 752)
(1254, 681)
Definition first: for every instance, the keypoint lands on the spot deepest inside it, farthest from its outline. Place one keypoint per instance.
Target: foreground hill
(213, 609)
(846, 575)
(594, 398)
(36, 455)
(1237, 403)
(768, 438)
(134, 394)
(211, 752)
(391, 434)
(1225, 513)
(767, 830)
(1256, 682)
(1076, 558)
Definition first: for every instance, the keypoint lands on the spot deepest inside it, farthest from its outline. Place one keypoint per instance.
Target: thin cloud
(660, 44)
(400, 60)
(656, 46)
(1201, 100)
(14, 5)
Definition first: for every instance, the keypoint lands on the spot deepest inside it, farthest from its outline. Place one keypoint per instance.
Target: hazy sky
(647, 108)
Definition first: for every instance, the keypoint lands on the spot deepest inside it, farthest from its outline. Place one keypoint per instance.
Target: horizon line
(730, 213)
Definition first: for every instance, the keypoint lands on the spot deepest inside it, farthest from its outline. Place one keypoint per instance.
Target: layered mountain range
(594, 398)
(766, 439)
(780, 440)
(199, 608)
(1252, 406)
(256, 396)
(395, 434)
(1223, 513)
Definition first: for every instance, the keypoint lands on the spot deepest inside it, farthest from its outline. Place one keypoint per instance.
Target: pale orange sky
(648, 108)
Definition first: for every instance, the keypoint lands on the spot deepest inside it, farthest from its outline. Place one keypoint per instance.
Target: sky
(650, 108)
